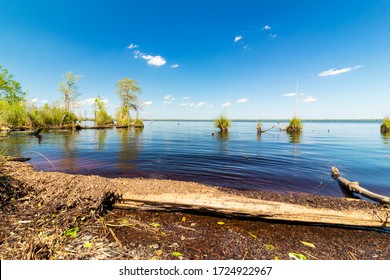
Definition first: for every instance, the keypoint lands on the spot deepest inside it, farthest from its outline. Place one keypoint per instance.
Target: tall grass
(223, 123)
(14, 115)
(20, 114)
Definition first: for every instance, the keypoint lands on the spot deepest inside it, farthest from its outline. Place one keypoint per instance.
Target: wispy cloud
(186, 97)
(273, 35)
(132, 46)
(193, 104)
(148, 103)
(333, 72)
(267, 27)
(238, 38)
(168, 99)
(309, 99)
(289, 94)
(34, 100)
(44, 101)
(226, 104)
(200, 104)
(175, 66)
(242, 100)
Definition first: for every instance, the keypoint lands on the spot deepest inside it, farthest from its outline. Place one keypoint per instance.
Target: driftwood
(350, 188)
(20, 159)
(236, 205)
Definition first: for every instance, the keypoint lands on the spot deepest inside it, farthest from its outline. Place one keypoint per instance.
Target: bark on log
(222, 203)
(349, 188)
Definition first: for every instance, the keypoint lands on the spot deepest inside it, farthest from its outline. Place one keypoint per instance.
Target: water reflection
(70, 152)
(101, 135)
(385, 138)
(295, 137)
(129, 148)
(222, 138)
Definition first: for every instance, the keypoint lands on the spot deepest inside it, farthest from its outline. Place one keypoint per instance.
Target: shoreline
(48, 204)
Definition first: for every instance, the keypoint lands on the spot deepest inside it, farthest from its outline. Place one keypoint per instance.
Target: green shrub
(138, 123)
(385, 127)
(295, 125)
(223, 123)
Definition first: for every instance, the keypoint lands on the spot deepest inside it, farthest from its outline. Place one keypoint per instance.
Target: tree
(10, 90)
(69, 89)
(128, 92)
(101, 115)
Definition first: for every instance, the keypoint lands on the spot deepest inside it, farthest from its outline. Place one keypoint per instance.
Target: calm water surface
(242, 159)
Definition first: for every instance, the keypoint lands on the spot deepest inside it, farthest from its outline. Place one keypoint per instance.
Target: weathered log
(235, 205)
(20, 159)
(349, 188)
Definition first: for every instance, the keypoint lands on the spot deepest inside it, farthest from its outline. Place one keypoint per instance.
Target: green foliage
(223, 123)
(69, 89)
(385, 127)
(295, 125)
(128, 92)
(13, 115)
(138, 123)
(386, 122)
(50, 115)
(72, 232)
(10, 90)
(102, 117)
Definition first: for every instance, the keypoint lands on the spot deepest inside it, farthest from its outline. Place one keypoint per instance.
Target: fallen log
(236, 205)
(350, 188)
(20, 159)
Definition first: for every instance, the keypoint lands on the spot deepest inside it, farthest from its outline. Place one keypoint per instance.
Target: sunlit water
(187, 150)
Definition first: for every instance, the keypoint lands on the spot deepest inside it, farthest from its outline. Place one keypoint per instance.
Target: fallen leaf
(72, 232)
(269, 247)
(184, 219)
(156, 225)
(276, 258)
(176, 254)
(220, 223)
(87, 245)
(158, 252)
(251, 234)
(297, 256)
(308, 244)
(39, 205)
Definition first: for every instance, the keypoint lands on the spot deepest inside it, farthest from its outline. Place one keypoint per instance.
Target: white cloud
(242, 100)
(175, 66)
(273, 35)
(44, 101)
(132, 46)
(266, 27)
(34, 100)
(148, 103)
(154, 60)
(200, 104)
(309, 99)
(183, 104)
(168, 99)
(186, 97)
(226, 104)
(238, 38)
(290, 94)
(333, 72)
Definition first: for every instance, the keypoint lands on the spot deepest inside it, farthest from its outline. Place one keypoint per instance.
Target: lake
(242, 159)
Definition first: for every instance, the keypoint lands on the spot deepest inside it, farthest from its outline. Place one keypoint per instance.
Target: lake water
(242, 159)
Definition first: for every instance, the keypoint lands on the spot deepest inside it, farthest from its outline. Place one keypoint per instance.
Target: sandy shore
(51, 215)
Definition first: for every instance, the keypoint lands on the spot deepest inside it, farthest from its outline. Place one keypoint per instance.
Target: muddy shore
(51, 215)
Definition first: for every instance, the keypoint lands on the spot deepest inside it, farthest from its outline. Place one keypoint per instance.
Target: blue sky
(197, 59)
